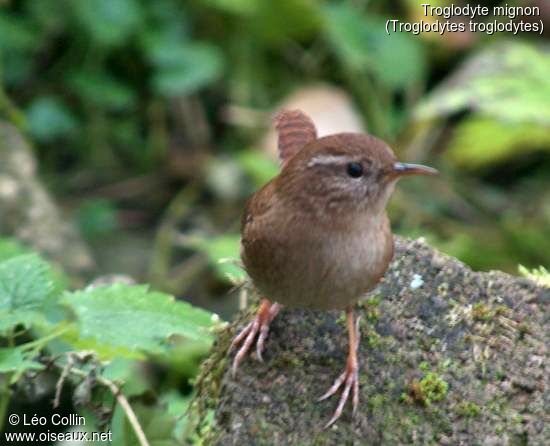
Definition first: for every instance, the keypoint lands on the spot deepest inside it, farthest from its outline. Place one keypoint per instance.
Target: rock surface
(27, 210)
(447, 357)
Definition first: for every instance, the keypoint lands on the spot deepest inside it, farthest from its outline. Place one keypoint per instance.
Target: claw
(258, 327)
(349, 378)
(337, 383)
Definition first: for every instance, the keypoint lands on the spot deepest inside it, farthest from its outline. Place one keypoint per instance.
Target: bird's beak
(402, 169)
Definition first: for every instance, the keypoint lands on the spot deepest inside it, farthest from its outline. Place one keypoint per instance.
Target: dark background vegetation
(149, 123)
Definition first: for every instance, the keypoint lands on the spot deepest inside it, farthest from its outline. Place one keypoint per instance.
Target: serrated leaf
(25, 285)
(135, 319)
(14, 360)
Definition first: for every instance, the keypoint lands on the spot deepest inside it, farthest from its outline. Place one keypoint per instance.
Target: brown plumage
(294, 130)
(317, 236)
(308, 238)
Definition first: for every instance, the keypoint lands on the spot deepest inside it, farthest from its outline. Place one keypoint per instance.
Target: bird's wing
(257, 206)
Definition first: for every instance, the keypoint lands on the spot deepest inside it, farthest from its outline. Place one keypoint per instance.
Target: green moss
(482, 312)
(285, 360)
(434, 387)
(370, 308)
(424, 366)
(429, 389)
(374, 339)
(406, 398)
(377, 401)
(341, 320)
(468, 409)
(517, 419)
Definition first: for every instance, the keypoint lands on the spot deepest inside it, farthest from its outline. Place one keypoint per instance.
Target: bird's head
(345, 173)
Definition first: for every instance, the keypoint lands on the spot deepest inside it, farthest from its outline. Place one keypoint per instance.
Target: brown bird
(317, 236)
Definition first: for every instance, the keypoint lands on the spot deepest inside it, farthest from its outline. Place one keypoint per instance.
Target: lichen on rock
(459, 357)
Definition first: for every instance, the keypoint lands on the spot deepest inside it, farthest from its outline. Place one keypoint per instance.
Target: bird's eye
(355, 170)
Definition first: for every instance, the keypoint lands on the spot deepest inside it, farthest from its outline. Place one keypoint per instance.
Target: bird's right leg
(258, 327)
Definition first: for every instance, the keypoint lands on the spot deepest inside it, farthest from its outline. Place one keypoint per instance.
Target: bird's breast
(310, 269)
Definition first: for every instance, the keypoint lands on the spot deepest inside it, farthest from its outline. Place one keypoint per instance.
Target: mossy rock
(448, 356)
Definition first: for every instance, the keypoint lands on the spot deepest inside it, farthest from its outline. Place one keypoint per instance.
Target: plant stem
(123, 401)
(5, 396)
(40, 342)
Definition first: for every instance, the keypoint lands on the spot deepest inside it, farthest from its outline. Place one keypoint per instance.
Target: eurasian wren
(317, 236)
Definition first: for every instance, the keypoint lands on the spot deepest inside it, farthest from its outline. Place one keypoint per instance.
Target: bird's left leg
(349, 379)
(258, 327)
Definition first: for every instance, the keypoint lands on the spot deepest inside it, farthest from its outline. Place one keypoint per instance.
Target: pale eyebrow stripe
(327, 159)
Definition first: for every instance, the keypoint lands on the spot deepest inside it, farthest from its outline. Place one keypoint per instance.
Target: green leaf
(177, 406)
(239, 7)
(363, 45)
(478, 142)
(397, 47)
(223, 253)
(109, 22)
(539, 275)
(275, 23)
(509, 82)
(158, 425)
(11, 248)
(102, 90)
(129, 372)
(15, 360)
(346, 31)
(18, 39)
(183, 68)
(49, 15)
(49, 309)
(259, 166)
(134, 320)
(25, 285)
(49, 119)
(17, 34)
(96, 218)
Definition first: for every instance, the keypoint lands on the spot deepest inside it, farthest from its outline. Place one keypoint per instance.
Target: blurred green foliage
(122, 88)
(96, 218)
(147, 118)
(96, 77)
(510, 104)
(101, 66)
